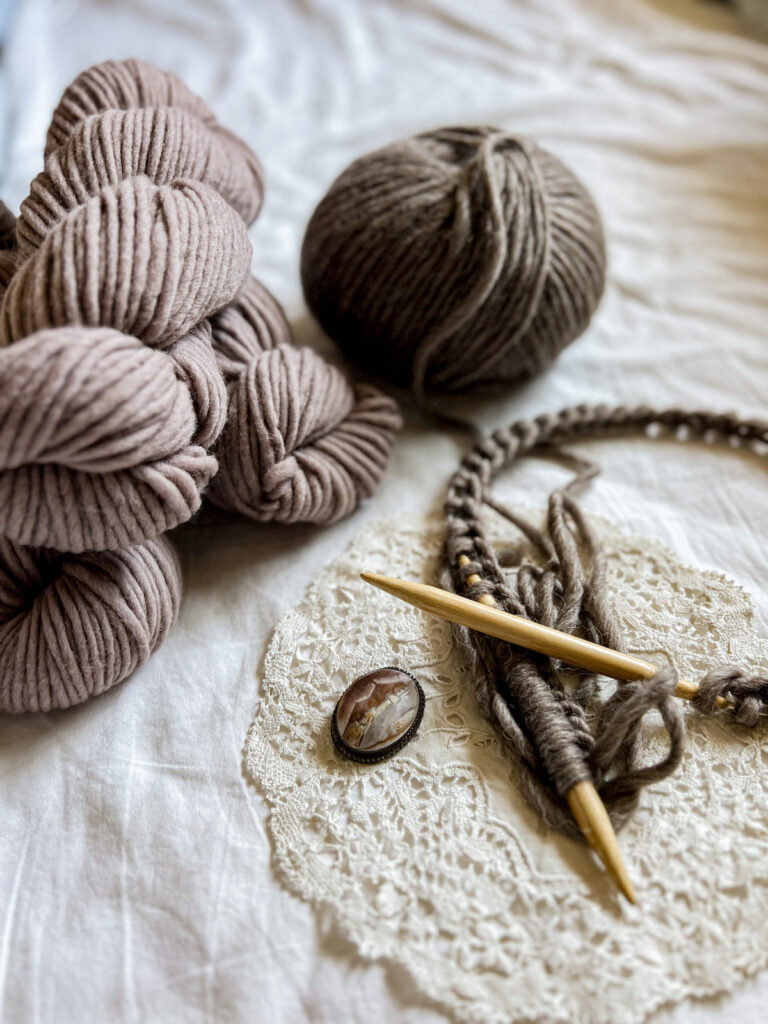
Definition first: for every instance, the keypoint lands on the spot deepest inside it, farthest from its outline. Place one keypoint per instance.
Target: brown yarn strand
(457, 260)
(557, 724)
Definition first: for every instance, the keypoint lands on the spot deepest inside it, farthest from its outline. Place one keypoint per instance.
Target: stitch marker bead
(473, 578)
(377, 715)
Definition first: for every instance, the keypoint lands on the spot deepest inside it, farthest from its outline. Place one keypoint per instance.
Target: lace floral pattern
(432, 860)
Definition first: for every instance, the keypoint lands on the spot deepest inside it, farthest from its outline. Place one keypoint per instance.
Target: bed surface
(136, 881)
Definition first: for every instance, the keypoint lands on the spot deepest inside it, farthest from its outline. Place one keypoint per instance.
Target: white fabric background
(135, 873)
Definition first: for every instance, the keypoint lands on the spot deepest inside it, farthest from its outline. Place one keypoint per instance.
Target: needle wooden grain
(583, 799)
(485, 617)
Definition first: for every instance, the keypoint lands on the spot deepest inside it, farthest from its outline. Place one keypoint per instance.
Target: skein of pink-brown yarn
(301, 444)
(111, 396)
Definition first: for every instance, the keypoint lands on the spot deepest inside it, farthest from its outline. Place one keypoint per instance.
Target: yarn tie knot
(748, 694)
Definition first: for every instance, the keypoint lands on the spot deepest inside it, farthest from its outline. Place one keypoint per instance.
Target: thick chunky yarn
(71, 626)
(560, 726)
(112, 399)
(8, 248)
(301, 443)
(456, 260)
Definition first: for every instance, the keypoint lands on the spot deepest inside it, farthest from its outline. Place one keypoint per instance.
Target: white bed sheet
(135, 874)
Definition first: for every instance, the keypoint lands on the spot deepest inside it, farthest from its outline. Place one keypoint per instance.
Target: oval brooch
(377, 715)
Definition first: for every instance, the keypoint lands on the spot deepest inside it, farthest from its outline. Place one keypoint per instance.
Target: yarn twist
(110, 396)
(131, 84)
(112, 399)
(72, 626)
(151, 262)
(300, 444)
(456, 260)
(562, 732)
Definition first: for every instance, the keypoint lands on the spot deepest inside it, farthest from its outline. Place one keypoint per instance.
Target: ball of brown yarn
(455, 260)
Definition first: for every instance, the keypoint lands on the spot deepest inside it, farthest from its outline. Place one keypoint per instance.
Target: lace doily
(433, 861)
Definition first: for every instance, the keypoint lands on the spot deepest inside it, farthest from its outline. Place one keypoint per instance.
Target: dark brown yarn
(560, 727)
(459, 259)
(7, 228)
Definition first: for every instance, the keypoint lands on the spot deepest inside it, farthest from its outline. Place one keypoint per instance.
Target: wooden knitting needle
(517, 630)
(583, 799)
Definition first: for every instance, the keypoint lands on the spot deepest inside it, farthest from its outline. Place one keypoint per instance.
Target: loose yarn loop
(301, 444)
(560, 728)
(459, 259)
(747, 694)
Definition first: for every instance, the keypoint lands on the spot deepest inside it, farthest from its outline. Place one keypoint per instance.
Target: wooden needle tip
(382, 582)
(592, 818)
(629, 892)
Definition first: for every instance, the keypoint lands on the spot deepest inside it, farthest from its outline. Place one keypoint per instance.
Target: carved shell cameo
(377, 715)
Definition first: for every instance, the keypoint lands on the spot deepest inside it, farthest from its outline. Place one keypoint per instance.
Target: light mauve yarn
(457, 260)
(109, 400)
(131, 85)
(300, 444)
(151, 262)
(8, 251)
(112, 399)
(71, 626)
